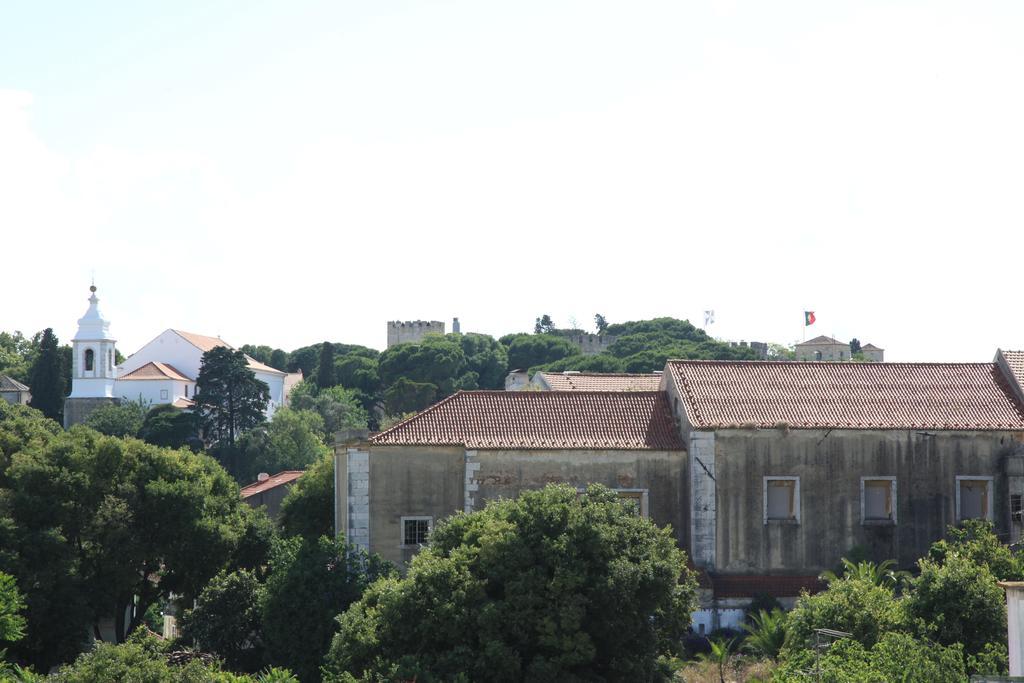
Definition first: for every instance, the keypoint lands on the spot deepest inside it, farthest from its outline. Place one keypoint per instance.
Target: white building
(163, 371)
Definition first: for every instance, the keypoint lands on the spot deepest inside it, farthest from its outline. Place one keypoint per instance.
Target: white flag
(709, 317)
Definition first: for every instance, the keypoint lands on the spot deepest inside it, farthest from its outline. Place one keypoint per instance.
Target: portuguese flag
(809, 318)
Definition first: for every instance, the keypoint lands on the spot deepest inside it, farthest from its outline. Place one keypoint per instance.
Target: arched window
(88, 360)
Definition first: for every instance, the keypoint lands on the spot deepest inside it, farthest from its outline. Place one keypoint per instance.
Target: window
(89, 356)
(416, 531)
(163, 394)
(782, 499)
(637, 498)
(186, 391)
(877, 500)
(973, 498)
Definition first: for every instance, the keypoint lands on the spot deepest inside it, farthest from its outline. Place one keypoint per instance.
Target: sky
(285, 173)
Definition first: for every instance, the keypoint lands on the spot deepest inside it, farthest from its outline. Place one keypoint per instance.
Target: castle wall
(412, 331)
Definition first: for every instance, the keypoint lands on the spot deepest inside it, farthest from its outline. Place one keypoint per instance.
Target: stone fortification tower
(411, 331)
(92, 366)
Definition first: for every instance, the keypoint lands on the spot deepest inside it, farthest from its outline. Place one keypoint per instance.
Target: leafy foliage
(118, 419)
(766, 633)
(47, 378)
(882, 574)
(226, 618)
(167, 426)
(87, 520)
(548, 586)
(292, 440)
(12, 624)
(308, 508)
(310, 583)
(325, 368)
(527, 350)
(229, 399)
(339, 408)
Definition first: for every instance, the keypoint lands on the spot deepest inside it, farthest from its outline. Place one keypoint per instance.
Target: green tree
(406, 396)
(325, 369)
(601, 362)
(895, 657)
(46, 378)
(278, 360)
(854, 605)
(170, 427)
(12, 624)
(339, 408)
(16, 355)
(766, 633)
(118, 419)
(291, 441)
(308, 508)
(600, 323)
(310, 583)
(854, 346)
(89, 520)
(544, 325)
(976, 540)
(226, 619)
(526, 351)
(229, 399)
(436, 360)
(553, 585)
(485, 357)
(961, 602)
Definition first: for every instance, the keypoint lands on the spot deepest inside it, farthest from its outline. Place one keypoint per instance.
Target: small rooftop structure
(13, 391)
(597, 381)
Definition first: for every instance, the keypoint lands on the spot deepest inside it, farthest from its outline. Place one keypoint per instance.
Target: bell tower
(92, 367)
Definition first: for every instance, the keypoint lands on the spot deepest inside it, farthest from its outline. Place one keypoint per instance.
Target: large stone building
(412, 331)
(822, 348)
(767, 472)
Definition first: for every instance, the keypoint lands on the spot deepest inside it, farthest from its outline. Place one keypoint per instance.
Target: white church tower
(92, 368)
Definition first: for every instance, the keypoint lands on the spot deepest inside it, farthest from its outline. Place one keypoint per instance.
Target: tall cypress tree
(46, 378)
(325, 373)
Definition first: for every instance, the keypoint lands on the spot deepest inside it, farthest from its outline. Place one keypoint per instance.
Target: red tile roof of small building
(11, 384)
(941, 396)
(598, 381)
(564, 420)
(279, 479)
(155, 370)
(822, 339)
(748, 586)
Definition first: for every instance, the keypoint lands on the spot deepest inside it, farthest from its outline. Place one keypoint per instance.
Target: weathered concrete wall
(270, 499)
(505, 474)
(407, 481)
(830, 465)
(76, 410)
(412, 331)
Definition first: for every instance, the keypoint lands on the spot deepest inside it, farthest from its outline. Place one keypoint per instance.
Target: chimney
(262, 476)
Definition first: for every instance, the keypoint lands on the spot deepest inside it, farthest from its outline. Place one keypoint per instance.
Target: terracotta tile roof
(1015, 362)
(948, 396)
(823, 340)
(542, 420)
(279, 479)
(748, 586)
(205, 343)
(11, 384)
(597, 381)
(155, 370)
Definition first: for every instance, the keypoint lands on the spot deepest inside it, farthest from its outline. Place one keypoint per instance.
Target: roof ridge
(409, 420)
(817, 363)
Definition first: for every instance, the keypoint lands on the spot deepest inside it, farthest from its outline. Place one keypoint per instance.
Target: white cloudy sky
(288, 172)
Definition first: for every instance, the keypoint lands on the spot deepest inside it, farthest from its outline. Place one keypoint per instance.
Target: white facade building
(163, 371)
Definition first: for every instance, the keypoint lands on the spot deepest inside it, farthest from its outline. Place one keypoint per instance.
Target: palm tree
(766, 634)
(882, 574)
(721, 653)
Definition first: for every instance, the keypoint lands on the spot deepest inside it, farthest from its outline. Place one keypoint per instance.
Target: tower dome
(93, 370)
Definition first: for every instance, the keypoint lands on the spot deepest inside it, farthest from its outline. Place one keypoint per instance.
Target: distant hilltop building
(592, 344)
(828, 349)
(413, 331)
(760, 348)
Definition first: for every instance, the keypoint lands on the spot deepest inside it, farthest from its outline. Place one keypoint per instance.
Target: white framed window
(638, 497)
(781, 499)
(973, 497)
(416, 531)
(163, 394)
(877, 500)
